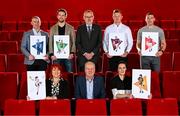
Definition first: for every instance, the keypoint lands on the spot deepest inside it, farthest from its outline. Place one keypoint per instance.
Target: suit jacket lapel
(94, 87)
(84, 90)
(66, 29)
(86, 32)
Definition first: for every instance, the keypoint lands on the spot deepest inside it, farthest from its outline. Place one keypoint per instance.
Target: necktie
(89, 31)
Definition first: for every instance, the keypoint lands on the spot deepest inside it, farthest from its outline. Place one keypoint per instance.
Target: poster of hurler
(61, 46)
(36, 85)
(116, 44)
(150, 43)
(38, 46)
(141, 81)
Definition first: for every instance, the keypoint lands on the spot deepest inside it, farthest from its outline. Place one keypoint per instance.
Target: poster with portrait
(150, 43)
(116, 44)
(38, 46)
(141, 83)
(36, 85)
(61, 46)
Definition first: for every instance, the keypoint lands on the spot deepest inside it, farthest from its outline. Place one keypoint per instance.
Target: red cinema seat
(109, 75)
(24, 25)
(162, 107)
(166, 61)
(8, 86)
(9, 26)
(3, 59)
(4, 35)
(55, 107)
(176, 61)
(133, 61)
(173, 45)
(19, 107)
(90, 107)
(155, 85)
(8, 47)
(136, 24)
(170, 84)
(75, 24)
(104, 24)
(174, 33)
(125, 107)
(15, 63)
(23, 86)
(168, 24)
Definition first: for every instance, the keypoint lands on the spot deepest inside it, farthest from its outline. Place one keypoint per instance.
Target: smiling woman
(56, 86)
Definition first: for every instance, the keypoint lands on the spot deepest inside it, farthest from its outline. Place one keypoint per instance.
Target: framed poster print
(116, 44)
(36, 85)
(141, 81)
(61, 46)
(38, 46)
(150, 43)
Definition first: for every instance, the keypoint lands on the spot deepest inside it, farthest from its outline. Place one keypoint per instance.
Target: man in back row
(151, 62)
(88, 40)
(117, 28)
(62, 28)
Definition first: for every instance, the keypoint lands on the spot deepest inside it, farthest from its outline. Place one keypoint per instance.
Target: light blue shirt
(89, 88)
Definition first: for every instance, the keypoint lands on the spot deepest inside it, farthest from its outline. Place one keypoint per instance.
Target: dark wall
(46, 9)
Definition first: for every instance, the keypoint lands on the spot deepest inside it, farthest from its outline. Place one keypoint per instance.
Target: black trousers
(38, 65)
(114, 61)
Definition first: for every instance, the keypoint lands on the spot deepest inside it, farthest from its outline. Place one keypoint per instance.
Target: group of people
(86, 45)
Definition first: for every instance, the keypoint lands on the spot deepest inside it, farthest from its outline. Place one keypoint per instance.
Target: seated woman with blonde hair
(56, 85)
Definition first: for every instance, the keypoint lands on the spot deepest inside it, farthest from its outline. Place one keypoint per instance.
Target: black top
(117, 83)
(60, 91)
(61, 30)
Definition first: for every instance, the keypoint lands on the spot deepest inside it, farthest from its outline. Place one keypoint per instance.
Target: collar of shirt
(118, 26)
(36, 33)
(89, 25)
(89, 80)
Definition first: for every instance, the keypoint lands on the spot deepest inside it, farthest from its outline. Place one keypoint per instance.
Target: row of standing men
(88, 40)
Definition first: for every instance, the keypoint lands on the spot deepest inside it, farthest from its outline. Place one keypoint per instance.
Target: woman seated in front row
(56, 85)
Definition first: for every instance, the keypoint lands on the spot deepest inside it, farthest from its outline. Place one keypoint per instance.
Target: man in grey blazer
(31, 63)
(62, 28)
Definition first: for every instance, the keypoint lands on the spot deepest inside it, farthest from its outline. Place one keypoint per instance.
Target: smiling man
(89, 86)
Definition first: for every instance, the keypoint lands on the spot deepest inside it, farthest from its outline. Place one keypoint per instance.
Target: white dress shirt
(36, 33)
(121, 28)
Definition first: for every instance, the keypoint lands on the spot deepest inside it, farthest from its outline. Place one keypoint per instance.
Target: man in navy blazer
(90, 86)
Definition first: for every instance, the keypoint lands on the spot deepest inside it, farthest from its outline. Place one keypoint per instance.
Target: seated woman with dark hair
(56, 86)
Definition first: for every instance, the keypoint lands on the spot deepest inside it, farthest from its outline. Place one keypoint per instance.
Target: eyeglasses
(88, 16)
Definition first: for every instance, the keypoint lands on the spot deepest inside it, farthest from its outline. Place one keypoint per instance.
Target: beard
(61, 21)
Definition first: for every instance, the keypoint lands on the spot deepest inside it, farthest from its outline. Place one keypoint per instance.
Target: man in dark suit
(88, 40)
(90, 86)
(31, 63)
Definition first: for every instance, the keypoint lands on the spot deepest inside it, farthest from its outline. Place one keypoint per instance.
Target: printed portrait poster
(141, 81)
(36, 85)
(38, 46)
(116, 44)
(150, 43)
(61, 46)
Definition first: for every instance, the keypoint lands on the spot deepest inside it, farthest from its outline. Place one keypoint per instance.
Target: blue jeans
(66, 63)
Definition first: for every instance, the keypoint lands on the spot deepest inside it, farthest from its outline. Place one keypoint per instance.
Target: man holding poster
(34, 46)
(150, 44)
(62, 30)
(117, 41)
